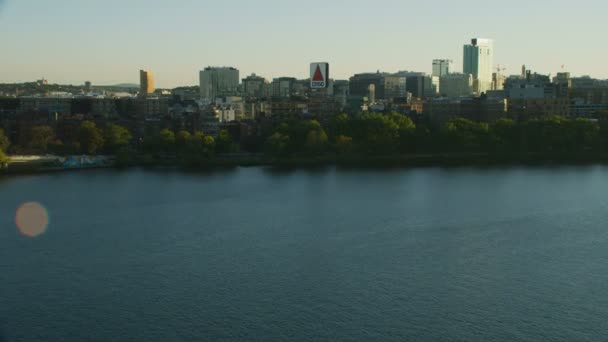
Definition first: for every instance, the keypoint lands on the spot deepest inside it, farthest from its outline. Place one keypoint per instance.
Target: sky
(108, 41)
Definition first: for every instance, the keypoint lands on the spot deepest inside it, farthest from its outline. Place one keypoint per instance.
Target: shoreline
(355, 162)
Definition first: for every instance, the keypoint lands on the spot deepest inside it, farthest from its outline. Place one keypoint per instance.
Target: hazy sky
(107, 42)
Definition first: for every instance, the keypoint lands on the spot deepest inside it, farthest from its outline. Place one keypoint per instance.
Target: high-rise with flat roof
(456, 85)
(283, 86)
(386, 86)
(421, 85)
(359, 84)
(394, 86)
(253, 86)
(478, 60)
(218, 81)
(442, 67)
(146, 82)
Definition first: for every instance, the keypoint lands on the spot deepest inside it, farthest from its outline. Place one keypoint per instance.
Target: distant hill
(125, 85)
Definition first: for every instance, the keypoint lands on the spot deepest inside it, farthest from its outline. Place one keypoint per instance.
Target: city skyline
(267, 38)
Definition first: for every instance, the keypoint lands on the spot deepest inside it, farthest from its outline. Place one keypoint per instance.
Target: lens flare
(31, 219)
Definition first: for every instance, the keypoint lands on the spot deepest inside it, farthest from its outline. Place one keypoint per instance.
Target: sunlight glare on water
(31, 219)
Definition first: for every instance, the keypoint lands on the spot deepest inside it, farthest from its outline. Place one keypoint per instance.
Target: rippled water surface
(518, 254)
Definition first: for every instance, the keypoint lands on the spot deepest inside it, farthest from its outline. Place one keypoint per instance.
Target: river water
(253, 254)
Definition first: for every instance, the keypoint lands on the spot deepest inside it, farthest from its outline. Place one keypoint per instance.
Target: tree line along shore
(369, 139)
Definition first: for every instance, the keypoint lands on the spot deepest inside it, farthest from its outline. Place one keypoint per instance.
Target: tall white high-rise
(216, 82)
(478, 60)
(442, 67)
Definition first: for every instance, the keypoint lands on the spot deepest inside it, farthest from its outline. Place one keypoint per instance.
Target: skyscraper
(217, 82)
(442, 67)
(478, 60)
(146, 82)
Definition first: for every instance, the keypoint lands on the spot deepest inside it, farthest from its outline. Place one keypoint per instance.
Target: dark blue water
(518, 254)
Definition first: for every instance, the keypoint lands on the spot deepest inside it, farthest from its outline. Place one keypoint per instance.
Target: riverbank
(50, 163)
(399, 161)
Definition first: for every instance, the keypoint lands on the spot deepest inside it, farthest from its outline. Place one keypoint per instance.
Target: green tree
(197, 149)
(277, 145)
(182, 138)
(555, 135)
(57, 147)
(603, 134)
(344, 144)
(421, 140)
(225, 143)
(340, 125)
(316, 138)
(504, 136)
(117, 137)
(91, 137)
(74, 148)
(586, 134)
(208, 146)
(40, 138)
(402, 121)
(531, 139)
(4, 142)
(195, 142)
(167, 139)
(376, 133)
(407, 131)
(285, 127)
(299, 133)
(3, 161)
(462, 135)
